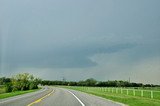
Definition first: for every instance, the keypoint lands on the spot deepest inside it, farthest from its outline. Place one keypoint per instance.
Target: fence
(133, 92)
(153, 94)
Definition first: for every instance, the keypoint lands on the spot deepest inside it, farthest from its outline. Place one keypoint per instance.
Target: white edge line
(105, 99)
(77, 98)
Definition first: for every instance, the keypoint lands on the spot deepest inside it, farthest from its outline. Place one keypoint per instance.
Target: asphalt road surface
(53, 96)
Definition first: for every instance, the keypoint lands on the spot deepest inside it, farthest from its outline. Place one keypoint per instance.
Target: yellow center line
(40, 99)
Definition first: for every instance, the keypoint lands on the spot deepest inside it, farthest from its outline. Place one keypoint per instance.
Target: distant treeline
(94, 83)
(23, 81)
(26, 81)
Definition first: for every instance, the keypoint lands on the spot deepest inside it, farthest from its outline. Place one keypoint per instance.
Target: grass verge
(10, 94)
(2, 90)
(126, 99)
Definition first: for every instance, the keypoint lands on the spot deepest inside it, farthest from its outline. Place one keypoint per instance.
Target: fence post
(112, 90)
(127, 91)
(121, 91)
(116, 90)
(152, 94)
(142, 93)
(134, 93)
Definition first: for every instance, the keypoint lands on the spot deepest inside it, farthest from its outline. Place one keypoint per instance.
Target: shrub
(8, 87)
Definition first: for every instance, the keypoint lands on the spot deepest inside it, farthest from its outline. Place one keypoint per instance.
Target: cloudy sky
(79, 39)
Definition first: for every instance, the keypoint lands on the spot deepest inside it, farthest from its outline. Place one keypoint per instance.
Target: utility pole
(129, 80)
(63, 79)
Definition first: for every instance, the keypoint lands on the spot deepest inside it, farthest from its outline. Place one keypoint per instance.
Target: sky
(80, 39)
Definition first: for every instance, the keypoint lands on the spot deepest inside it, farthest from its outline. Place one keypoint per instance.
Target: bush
(25, 81)
(31, 86)
(8, 87)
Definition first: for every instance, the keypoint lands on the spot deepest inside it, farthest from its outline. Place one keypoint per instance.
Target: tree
(4, 80)
(90, 82)
(24, 81)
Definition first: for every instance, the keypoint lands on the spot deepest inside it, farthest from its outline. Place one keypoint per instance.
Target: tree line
(20, 82)
(94, 83)
(26, 81)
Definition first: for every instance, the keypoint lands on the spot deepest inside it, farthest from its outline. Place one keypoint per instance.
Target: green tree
(25, 81)
(8, 87)
(91, 82)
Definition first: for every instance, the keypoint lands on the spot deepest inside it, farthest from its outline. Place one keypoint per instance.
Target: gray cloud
(76, 55)
(105, 39)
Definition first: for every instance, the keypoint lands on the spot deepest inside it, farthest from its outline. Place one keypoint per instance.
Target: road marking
(77, 98)
(40, 99)
(21, 96)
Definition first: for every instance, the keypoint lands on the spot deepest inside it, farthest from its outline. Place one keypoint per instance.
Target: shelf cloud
(106, 40)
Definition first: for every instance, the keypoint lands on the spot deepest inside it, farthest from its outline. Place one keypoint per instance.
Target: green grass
(122, 98)
(6, 95)
(2, 90)
(132, 92)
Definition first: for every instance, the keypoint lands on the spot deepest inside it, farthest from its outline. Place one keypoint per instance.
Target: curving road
(53, 96)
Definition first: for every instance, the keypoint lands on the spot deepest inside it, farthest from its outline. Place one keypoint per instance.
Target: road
(53, 96)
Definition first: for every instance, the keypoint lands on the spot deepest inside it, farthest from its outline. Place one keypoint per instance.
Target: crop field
(129, 96)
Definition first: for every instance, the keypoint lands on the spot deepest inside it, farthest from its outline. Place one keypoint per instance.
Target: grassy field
(131, 97)
(6, 95)
(2, 89)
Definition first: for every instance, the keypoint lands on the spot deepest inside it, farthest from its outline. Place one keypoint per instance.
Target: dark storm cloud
(104, 38)
(65, 56)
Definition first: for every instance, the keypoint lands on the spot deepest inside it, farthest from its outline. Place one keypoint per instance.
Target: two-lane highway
(64, 97)
(54, 96)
